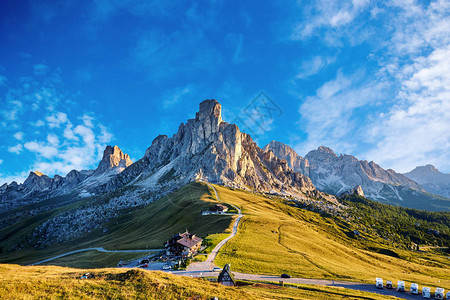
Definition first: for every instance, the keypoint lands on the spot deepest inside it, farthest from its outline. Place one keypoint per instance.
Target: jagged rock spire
(113, 157)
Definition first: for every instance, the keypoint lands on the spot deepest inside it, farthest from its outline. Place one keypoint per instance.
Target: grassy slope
(143, 228)
(56, 282)
(94, 259)
(275, 238)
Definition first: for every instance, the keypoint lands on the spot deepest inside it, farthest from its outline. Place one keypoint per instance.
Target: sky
(367, 78)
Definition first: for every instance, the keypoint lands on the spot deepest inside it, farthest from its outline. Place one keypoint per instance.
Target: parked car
(426, 292)
(400, 286)
(439, 293)
(87, 276)
(144, 266)
(379, 283)
(448, 296)
(217, 269)
(144, 261)
(414, 289)
(284, 275)
(389, 284)
(167, 267)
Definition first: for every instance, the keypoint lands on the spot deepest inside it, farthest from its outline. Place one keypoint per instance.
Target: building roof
(226, 275)
(189, 240)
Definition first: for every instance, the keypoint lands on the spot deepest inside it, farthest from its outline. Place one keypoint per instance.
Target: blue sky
(368, 78)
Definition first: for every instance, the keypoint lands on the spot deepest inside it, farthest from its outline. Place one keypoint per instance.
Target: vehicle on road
(217, 269)
(284, 275)
(167, 267)
(400, 286)
(144, 261)
(143, 266)
(414, 289)
(426, 292)
(439, 293)
(389, 284)
(379, 283)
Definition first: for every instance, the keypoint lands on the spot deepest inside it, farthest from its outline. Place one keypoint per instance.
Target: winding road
(99, 249)
(208, 264)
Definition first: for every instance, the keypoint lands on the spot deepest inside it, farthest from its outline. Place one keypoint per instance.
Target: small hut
(226, 277)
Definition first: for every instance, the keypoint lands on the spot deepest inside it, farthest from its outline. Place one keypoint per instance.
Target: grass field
(144, 228)
(275, 238)
(18, 282)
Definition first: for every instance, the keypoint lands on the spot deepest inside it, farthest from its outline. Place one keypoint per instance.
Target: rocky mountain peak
(327, 150)
(208, 109)
(322, 153)
(113, 158)
(37, 181)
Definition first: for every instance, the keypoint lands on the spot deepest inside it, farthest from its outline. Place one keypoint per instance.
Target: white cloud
(174, 97)
(326, 14)
(329, 116)
(40, 69)
(38, 123)
(87, 120)
(13, 108)
(41, 149)
(16, 149)
(313, 66)
(69, 134)
(57, 119)
(18, 135)
(53, 139)
(416, 130)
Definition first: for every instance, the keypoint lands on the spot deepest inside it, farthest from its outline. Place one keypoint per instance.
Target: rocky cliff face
(357, 190)
(113, 159)
(337, 174)
(431, 179)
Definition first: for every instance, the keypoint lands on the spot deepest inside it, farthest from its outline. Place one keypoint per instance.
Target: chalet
(183, 244)
(219, 208)
(226, 277)
(216, 209)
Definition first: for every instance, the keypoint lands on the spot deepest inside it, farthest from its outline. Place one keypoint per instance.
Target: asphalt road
(100, 249)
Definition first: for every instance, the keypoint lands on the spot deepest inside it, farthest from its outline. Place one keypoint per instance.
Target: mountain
(336, 174)
(210, 149)
(431, 179)
(39, 186)
(205, 148)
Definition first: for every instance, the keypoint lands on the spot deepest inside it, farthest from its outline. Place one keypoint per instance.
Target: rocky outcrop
(431, 179)
(113, 159)
(357, 191)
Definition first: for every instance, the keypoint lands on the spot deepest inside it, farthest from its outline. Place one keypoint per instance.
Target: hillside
(139, 228)
(276, 236)
(55, 282)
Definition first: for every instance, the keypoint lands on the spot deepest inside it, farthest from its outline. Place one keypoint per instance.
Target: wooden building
(226, 277)
(183, 244)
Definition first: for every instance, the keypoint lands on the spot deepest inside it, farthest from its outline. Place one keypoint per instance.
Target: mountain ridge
(337, 174)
